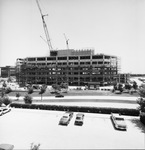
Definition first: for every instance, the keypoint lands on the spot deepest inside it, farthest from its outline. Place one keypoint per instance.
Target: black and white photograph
(72, 74)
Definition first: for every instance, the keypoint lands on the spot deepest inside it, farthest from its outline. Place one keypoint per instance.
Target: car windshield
(78, 117)
(65, 116)
(119, 119)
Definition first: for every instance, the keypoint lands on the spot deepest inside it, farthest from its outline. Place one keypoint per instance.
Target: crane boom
(45, 27)
(66, 41)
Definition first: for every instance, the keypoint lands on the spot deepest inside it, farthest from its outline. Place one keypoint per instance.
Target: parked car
(65, 119)
(5, 110)
(117, 92)
(118, 121)
(79, 119)
(59, 95)
(1, 111)
(6, 147)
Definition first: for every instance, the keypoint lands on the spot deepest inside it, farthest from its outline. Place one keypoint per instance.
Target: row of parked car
(118, 120)
(65, 119)
(4, 110)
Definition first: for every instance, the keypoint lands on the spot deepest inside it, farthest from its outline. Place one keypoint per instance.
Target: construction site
(75, 67)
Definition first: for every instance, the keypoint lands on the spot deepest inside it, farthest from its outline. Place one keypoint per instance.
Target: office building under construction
(75, 67)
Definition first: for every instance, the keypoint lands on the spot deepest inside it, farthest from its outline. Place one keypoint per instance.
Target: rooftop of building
(73, 52)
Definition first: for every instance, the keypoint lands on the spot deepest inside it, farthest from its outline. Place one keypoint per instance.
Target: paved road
(96, 101)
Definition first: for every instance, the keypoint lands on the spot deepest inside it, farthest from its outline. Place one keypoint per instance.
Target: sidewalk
(91, 104)
(113, 98)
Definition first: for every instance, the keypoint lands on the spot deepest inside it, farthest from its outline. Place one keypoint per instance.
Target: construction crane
(66, 41)
(45, 27)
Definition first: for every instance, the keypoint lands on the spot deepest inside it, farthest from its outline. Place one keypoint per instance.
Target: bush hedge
(142, 117)
(103, 110)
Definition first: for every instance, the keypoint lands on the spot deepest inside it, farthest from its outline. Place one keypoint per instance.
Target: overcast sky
(115, 27)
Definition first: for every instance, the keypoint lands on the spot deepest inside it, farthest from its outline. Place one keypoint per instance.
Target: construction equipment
(66, 41)
(45, 27)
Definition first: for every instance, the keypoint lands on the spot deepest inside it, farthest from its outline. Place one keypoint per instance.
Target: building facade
(76, 67)
(7, 71)
(123, 77)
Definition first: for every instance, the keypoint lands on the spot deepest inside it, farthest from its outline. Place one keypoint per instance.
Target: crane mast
(45, 27)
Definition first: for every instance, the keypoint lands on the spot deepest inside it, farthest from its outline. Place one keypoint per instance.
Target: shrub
(34, 146)
(28, 99)
(1, 101)
(42, 90)
(8, 90)
(103, 110)
(18, 95)
(6, 100)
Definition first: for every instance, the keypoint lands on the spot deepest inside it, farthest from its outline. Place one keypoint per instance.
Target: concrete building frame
(75, 67)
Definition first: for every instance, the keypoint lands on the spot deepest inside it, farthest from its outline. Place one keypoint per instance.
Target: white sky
(115, 27)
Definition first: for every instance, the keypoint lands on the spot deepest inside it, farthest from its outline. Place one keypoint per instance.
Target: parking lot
(21, 127)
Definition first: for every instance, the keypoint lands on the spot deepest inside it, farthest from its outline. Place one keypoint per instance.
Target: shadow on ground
(138, 124)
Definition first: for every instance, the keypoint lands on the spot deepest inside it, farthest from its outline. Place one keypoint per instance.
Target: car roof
(6, 147)
(116, 115)
(80, 114)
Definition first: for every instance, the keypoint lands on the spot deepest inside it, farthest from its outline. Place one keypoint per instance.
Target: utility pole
(66, 41)
(45, 28)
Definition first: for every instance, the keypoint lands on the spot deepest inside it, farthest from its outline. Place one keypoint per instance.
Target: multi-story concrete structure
(19, 63)
(76, 67)
(123, 77)
(7, 71)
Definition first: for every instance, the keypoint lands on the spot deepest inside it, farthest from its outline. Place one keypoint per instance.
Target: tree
(42, 90)
(141, 102)
(64, 86)
(135, 86)
(30, 90)
(8, 90)
(4, 84)
(9, 79)
(56, 87)
(127, 86)
(2, 93)
(6, 100)
(28, 99)
(1, 101)
(118, 87)
(141, 92)
(18, 95)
